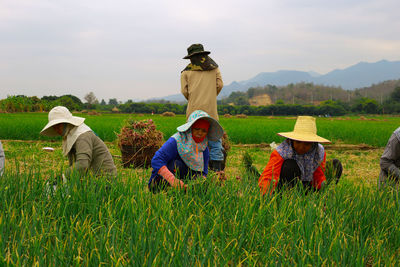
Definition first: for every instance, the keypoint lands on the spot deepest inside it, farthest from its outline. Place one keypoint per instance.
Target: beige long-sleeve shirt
(201, 89)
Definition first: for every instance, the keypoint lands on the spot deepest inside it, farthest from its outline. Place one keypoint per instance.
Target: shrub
(93, 113)
(138, 142)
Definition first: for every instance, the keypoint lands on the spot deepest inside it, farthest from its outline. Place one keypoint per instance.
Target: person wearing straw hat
(300, 157)
(2, 159)
(85, 150)
(201, 82)
(390, 160)
(185, 155)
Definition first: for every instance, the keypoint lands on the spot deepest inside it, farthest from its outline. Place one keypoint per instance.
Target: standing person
(300, 157)
(2, 159)
(390, 160)
(185, 155)
(85, 150)
(201, 82)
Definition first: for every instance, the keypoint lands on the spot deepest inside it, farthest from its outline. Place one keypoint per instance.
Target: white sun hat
(215, 131)
(58, 115)
(305, 130)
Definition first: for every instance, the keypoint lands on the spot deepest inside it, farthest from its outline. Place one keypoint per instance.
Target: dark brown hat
(196, 49)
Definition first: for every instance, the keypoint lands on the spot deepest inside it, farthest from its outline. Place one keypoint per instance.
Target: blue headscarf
(190, 151)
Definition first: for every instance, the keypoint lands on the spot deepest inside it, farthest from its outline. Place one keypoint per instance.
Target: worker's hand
(179, 183)
(221, 176)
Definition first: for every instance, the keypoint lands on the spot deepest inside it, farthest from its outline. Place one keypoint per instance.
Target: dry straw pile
(226, 144)
(138, 142)
(241, 116)
(168, 114)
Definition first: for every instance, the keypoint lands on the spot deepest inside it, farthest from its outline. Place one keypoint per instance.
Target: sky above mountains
(128, 49)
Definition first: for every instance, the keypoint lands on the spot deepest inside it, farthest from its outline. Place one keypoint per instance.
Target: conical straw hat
(305, 130)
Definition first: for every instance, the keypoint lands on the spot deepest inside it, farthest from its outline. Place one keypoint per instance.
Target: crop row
(95, 222)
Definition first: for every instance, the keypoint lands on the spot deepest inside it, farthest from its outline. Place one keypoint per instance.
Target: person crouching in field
(2, 159)
(390, 160)
(85, 150)
(300, 157)
(185, 155)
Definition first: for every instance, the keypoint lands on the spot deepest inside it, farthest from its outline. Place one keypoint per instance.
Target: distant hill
(360, 75)
(308, 93)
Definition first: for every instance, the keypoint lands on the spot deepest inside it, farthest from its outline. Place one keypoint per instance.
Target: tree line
(359, 104)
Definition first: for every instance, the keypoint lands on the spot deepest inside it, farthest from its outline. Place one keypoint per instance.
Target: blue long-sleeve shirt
(168, 153)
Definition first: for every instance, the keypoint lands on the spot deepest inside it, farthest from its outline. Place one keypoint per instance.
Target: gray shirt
(90, 153)
(2, 159)
(390, 159)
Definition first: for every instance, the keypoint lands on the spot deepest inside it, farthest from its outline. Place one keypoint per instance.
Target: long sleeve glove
(170, 178)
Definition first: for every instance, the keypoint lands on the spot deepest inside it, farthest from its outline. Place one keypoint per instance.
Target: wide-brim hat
(215, 131)
(58, 115)
(195, 49)
(305, 130)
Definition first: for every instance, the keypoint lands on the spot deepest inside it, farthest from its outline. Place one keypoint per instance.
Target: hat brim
(48, 130)
(304, 137)
(196, 53)
(215, 131)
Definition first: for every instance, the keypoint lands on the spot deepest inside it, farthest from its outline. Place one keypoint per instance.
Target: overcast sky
(133, 49)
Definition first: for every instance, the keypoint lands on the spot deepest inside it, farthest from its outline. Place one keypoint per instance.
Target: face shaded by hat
(215, 130)
(59, 115)
(305, 130)
(195, 49)
(200, 130)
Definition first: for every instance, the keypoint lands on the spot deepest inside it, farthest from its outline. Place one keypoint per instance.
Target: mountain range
(360, 75)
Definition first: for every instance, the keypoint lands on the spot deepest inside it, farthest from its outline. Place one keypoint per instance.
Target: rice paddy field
(91, 221)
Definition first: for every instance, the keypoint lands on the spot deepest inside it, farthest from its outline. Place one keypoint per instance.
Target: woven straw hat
(305, 130)
(58, 115)
(215, 131)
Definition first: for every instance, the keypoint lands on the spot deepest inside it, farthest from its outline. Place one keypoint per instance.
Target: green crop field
(373, 131)
(91, 222)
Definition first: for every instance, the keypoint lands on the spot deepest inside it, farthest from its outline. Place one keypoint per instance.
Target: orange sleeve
(271, 172)
(319, 174)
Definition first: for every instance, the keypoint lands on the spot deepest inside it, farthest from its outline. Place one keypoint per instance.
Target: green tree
(395, 95)
(69, 103)
(241, 100)
(113, 101)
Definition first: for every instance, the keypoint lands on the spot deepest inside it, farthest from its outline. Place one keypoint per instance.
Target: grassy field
(373, 131)
(95, 222)
(92, 222)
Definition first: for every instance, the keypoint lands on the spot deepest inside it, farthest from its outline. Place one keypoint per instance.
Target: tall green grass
(94, 222)
(252, 130)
